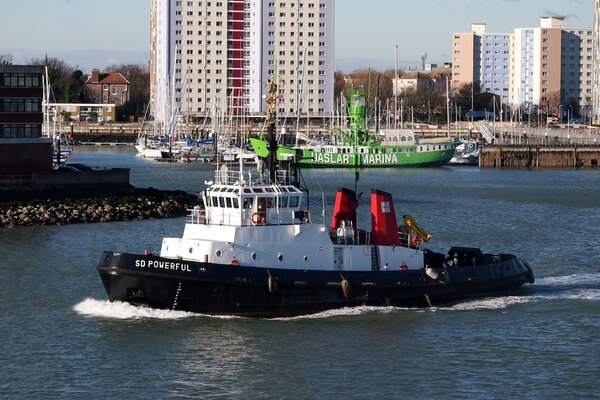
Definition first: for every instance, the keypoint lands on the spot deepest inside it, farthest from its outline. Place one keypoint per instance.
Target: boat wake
(585, 287)
(344, 312)
(571, 287)
(121, 310)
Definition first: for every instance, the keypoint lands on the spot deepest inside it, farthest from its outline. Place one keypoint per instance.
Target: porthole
(305, 258)
(320, 248)
(219, 253)
(279, 257)
(253, 256)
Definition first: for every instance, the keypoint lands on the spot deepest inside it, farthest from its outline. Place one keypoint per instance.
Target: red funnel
(345, 208)
(383, 218)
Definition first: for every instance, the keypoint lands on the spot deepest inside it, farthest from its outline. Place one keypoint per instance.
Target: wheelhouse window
(248, 202)
(283, 201)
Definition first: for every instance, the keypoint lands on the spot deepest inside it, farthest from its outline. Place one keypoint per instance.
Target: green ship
(356, 148)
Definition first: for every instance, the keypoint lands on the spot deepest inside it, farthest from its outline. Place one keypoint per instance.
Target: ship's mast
(271, 120)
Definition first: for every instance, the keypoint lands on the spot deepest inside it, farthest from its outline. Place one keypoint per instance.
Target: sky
(366, 31)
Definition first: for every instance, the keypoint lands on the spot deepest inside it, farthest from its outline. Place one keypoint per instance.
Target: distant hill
(352, 64)
(84, 60)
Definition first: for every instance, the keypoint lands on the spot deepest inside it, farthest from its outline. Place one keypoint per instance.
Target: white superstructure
(251, 221)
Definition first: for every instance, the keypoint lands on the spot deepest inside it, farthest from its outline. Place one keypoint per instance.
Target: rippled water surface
(61, 338)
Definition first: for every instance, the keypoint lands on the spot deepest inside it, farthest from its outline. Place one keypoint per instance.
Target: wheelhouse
(241, 199)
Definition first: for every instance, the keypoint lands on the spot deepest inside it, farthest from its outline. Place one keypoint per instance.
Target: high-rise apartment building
(218, 55)
(596, 64)
(530, 66)
(522, 66)
(495, 64)
(466, 56)
(535, 72)
(577, 70)
(482, 58)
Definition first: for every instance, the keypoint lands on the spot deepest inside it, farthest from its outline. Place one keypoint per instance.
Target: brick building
(23, 150)
(107, 88)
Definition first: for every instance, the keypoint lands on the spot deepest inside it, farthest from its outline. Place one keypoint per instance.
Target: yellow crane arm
(411, 225)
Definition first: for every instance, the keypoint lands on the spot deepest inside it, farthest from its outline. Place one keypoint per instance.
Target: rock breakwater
(144, 204)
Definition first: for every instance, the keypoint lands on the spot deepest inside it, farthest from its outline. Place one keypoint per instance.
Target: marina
(68, 316)
(254, 200)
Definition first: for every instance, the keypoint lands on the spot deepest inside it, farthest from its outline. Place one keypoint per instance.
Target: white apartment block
(536, 57)
(219, 55)
(494, 64)
(522, 66)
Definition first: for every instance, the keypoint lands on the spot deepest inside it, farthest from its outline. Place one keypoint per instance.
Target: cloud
(553, 13)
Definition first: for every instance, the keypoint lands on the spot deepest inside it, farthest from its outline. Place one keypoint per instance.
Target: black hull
(267, 293)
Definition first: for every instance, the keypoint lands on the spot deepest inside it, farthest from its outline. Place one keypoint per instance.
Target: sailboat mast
(395, 87)
(299, 89)
(448, 105)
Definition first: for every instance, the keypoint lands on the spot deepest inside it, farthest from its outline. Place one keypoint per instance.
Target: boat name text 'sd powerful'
(174, 266)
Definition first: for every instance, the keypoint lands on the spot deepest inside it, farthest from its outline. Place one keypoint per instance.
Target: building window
(21, 80)
(21, 130)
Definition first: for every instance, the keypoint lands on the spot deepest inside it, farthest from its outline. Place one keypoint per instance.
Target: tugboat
(255, 251)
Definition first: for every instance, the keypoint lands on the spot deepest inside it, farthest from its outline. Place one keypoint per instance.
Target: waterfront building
(83, 112)
(482, 58)
(23, 150)
(522, 66)
(535, 70)
(596, 64)
(577, 69)
(466, 56)
(208, 56)
(105, 88)
(494, 73)
(546, 66)
(417, 81)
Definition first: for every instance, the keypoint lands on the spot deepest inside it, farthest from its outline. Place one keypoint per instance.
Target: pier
(539, 156)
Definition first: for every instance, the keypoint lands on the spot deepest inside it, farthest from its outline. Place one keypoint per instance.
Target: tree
(65, 115)
(552, 103)
(66, 81)
(339, 84)
(6, 59)
(468, 97)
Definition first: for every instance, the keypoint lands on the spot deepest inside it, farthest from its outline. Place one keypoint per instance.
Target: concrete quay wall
(539, 156)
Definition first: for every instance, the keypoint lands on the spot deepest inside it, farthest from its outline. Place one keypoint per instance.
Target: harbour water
(62, 339)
